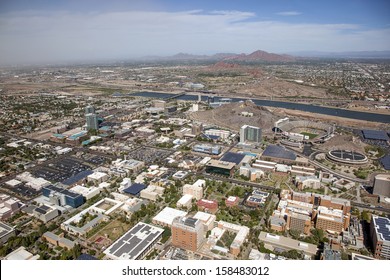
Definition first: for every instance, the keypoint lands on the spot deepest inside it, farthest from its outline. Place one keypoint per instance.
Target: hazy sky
(44, 31)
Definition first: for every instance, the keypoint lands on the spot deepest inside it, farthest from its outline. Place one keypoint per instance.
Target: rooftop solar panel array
(385, 161)
(135, 189)
(132, 244)
(190, 222)
(79, 176)
(278, 152)
(375, 135)
(44, 207)
(255, 199)
(233, 157)
(257, 192)
(383, 227)
(40, 210)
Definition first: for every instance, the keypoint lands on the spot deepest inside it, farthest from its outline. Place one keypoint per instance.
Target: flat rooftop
(382, 228)
(21, 254)
(203, 216)
(134, 242)
(221, 164)
(279, 152)
(233, 157)
(167, 215)
(5, 229)
(278, 241)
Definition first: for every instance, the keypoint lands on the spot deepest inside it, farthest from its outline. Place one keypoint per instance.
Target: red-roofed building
(232, 201)
(209, 206)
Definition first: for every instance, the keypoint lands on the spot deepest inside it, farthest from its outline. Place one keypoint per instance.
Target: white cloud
(42, 37)
(289, 13)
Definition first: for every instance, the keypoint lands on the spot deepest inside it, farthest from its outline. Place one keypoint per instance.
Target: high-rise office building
(92, 121)
(89, 110)
(250, 134)
(187, 233)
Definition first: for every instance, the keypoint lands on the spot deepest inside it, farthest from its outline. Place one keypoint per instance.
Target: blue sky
(33, 31)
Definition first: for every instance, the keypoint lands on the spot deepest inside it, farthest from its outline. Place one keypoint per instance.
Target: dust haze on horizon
(36, 36)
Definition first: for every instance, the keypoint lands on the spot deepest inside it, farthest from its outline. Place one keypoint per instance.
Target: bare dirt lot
(230, 116)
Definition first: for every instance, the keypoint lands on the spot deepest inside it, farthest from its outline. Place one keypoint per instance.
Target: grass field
(114, 230)
(311, 135)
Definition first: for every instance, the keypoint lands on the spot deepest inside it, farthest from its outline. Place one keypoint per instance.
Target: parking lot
(149, 155)
(61, 170)
(96, 160)
(22, 191)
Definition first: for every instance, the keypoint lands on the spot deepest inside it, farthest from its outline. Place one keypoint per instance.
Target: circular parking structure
(347, 157)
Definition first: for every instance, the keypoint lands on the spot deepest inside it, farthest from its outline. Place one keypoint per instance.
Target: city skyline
(68, 31)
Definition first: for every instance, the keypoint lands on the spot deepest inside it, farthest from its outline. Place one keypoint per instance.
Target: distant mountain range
(263, 56)
(255, 56)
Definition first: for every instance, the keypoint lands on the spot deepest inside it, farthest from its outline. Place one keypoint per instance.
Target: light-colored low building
(45, 213)
(72, 226)
(132, 205)
(152, 192)
(58, 240)
(207, 219)
(33, 182)
(166, 216)
(97, 177)
(13, 183)
(272, 242)
(120, 196)
(326, 177)
(87, 192)
(299, 170)
(241, 235)
(126, 183)
(9, 206)
(106, 206)
(104, 185)
(21, 254)
(126, 167)
(180, 175)
(304, 182)
(185, 201)
(251, 172)
(343, 183)
(99, 211)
